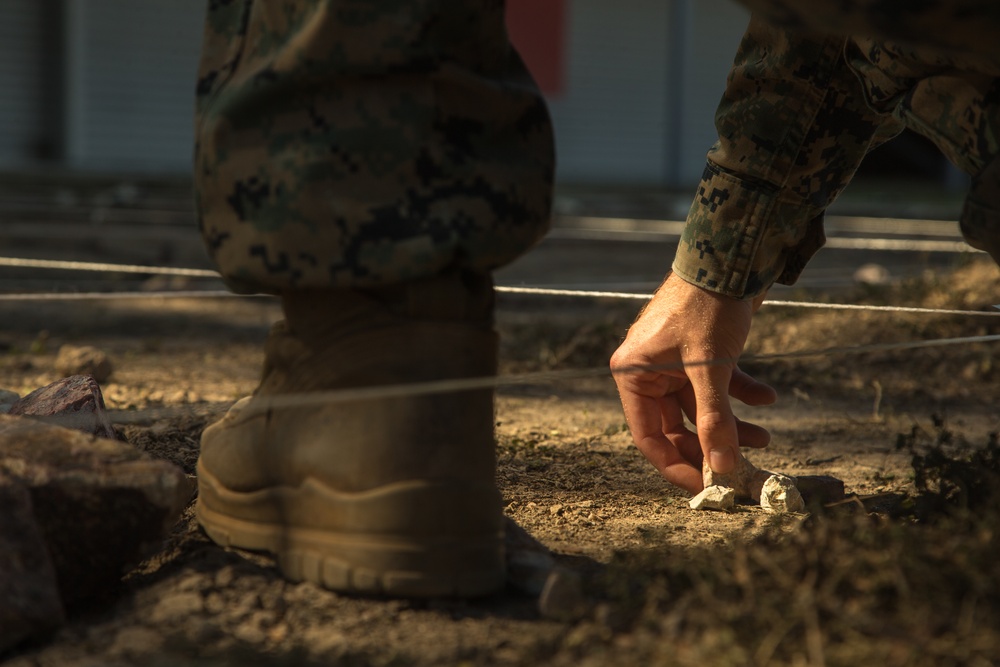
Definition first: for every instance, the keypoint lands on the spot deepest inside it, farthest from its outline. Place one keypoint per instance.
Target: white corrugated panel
(133, 67)
(716, 26)
(642, 83)
(22, 99)
(610, 119)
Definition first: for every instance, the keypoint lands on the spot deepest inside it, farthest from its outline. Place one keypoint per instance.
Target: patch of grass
(918, 587)
(951, 476)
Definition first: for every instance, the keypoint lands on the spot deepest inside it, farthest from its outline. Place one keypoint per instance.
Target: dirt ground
(651, 567)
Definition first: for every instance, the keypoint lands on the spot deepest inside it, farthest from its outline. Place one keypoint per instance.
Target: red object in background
(537, 28)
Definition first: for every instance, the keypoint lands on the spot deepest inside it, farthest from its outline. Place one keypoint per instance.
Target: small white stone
(872, 274)
(714, 498)
(779, 495)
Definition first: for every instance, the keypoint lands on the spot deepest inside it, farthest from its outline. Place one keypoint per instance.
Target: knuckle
(713, 420)
(620, 359)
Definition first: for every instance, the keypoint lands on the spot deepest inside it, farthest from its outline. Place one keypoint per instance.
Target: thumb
(714, 416)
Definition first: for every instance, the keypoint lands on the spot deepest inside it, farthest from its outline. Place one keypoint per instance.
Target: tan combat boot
(393, 495)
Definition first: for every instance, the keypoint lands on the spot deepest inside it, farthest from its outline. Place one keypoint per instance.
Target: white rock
(714, 498)
(745, 478)
(872, 274)
(779, 495)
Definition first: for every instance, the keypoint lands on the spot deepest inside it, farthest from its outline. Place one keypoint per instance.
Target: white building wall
(610, 120)
(717, 27)
(132, 69)
(642, 83)
(22, 81)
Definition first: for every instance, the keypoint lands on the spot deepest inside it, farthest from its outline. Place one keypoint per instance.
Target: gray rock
(100, 505)
(75, 402)
(529, 562)
(562, 597)
(83, 360)
(820, 489)
(714, 498)
(29, 595)
(532, 569)
(7, 400)
(780, 496)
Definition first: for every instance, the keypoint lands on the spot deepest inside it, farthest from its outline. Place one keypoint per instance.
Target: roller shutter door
(132, 68)
(642, 82)
(717, 27)
(24, 134)
(610, 118)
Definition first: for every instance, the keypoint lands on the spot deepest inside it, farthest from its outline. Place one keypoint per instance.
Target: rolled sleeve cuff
(743, 236)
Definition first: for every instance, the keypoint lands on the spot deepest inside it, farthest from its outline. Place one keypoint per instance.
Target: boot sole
(395, 561)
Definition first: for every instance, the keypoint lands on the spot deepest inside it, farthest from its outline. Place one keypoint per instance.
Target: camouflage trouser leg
(955, 27)
(800, 112)
(345, 143)
(954, 102)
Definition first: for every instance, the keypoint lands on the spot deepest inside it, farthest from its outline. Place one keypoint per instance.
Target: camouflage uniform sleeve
(793, 126)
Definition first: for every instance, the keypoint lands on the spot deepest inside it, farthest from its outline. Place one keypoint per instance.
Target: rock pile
(75, 402)
(78, 508)
(775, 493)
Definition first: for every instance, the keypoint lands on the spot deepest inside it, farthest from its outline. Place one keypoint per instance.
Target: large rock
(75, 402)
(29, 595)
(100, 505)
(820, 489)
(83, 360)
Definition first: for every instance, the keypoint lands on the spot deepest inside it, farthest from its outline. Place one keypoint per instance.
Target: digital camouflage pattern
(348, 143)
(956, 28)
(800, 111)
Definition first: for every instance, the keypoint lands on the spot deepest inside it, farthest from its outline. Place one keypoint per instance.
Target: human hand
(684, 324)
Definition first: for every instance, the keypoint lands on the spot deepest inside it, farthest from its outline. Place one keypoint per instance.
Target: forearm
(793, 127)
